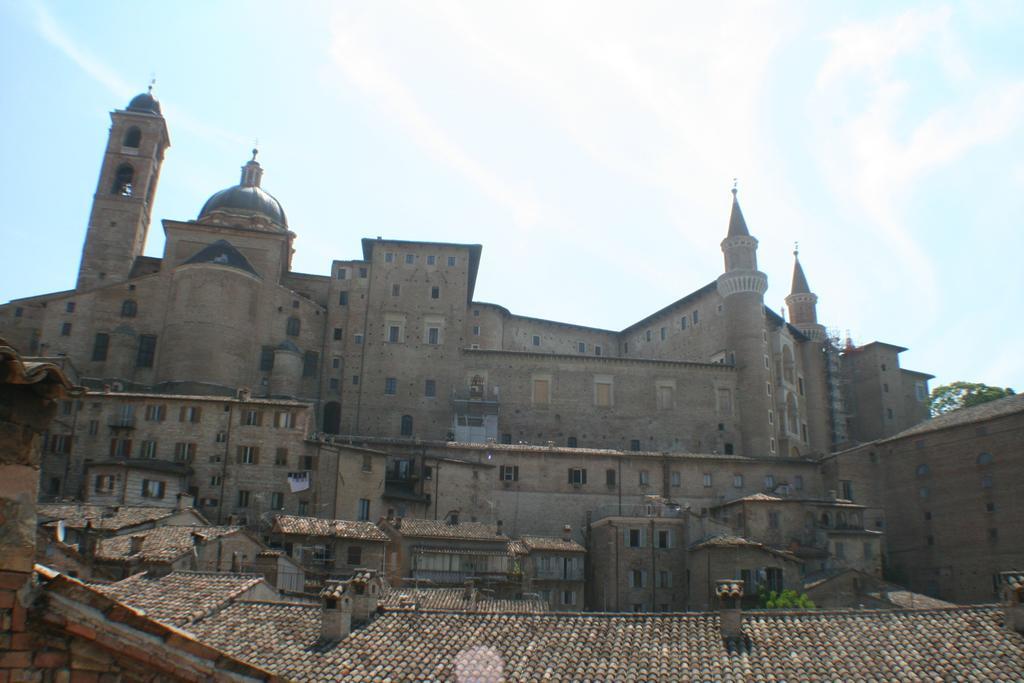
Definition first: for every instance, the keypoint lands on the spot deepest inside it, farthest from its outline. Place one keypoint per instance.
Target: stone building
(331, 548)
(552, 568)
(949, 494)
(392, 343)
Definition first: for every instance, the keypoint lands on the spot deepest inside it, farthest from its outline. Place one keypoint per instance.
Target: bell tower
(742, 287)
(803, 304)
(124, 195)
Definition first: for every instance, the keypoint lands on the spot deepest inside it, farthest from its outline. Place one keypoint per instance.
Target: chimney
(236, 563)
(730, 614)
(89, 541)
(498, 533)
(567, 533)
(185, 501)
(135, 544)
(469, 592)
(1013, 600)
(335, 612)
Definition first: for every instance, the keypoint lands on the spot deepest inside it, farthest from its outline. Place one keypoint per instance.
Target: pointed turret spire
(737, 226)
(800, 285)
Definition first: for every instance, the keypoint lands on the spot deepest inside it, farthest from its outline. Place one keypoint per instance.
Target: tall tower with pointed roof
(742, 286)
(803, 315)
(123, 202)
(802, 304)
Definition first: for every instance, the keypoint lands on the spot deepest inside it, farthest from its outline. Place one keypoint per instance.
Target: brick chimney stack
(730, 614)
(335, 611)
(567, 533)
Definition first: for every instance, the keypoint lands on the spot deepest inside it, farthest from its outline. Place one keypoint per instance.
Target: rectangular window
(682, 323)
(389, 257)
(153, 488)
(394, 333)
(252, 418)
(663, 539)
(428, 472)
(94, 427)
(568, 597)
(103, 483)
(869, 550)
(281, 457)
(577, 476)
(190, 414)
(840, 550)
(635, 538)
(536, 340)
(390, 386)
(451, 260)
(664, 334)
(665, 397)
(410, 259)
(337, 334)
(609, 477)
(155, 412)
(336, 363)
(647, 335)
(215, 480)
(800, 385)
(431, 259)
(396, 290)
(293, 326)
(430, 388)
(65, 330)
(342, 273)
(846, 487)
(541, 391)
(243, 499)
(148, 450)
(367, 462)
(100, 346)
(359, 339)
(634, 444)
(602, 394)
(121, 448)
(581, 347)
(677, 479)
(664, 578)
(355, 380)
(509, 473)
(266, 359)
(798, 482)
(696, 317)
(343, 298)
(707, 480)
(597, 350)
(147, 351)
(248, 455)
(354, 555)
(737, 481)
(645, 478)
(637, 578)
(284, 419)
(362, 273)
(184, 451)
(435, 292)
(773, 520)
(276, 500)
(433, 335)
(769, 481)
(364, 510)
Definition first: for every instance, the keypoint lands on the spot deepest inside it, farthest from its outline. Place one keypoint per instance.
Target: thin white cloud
(53, 33)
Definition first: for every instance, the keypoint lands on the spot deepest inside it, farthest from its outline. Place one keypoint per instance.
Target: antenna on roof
(735, 183)
(152, 82)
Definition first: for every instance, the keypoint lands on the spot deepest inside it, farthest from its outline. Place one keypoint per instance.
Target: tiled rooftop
(180, 597)
(854, 645)
(335, 528)
(986, 411)
(453, 599)
(463, 531)
(740, 542)
(551, 543)
(76, 516)
(162, 544)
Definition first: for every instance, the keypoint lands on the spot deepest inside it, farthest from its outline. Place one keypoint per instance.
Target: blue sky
(589, 147)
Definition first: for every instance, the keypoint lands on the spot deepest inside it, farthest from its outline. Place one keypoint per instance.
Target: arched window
(129, 308)
(293, 327)
(922, 470)
(407, 425)
(133, 137)
(984, 458)
(332, 418)
(841, 520)
(826, 521)
(123, 180)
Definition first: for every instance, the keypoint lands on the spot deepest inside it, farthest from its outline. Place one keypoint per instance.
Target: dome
(245, 199)
(144, 103)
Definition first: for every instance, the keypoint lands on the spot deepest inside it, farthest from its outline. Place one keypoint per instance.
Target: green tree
(964, 395)
(787, 599)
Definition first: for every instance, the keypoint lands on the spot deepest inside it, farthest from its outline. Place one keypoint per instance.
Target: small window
(433, 335)
(683, 322)
(707, 480)
(634, 444)
(597, 350)
(647, 335)
(343, 298)
(362, 273)
(922, 470)
(391, 386)
(152, 488)
(132, 138)
(129, 308)
(69, 307)
(410, 259)
(389, 257)
(354, 555)
(65, 330)
(266, 359)
(363, 514)
(737, 481)
(435, 292)
(281, 457)
(986, 481)
(541, 391)
(536, 340)
(798, 482)
(645, 478)
(773, 520)
(696, 317)
(342, 273)
(984, 458)
(508, 473)
(336, 363)
(337, 334)
(431, 259)
(769, 481)
(147, 351)
(396, 290)
(406, 425)
(451, 260)
(123, 177)
(310, 361)
(430, 388)
(243, 499)
(293, 326)
(577, 476)
(664, 333)
(100, 346)
(394, 334)
(476, 330)
(571, 442)
(276, 500)
(359, 339)
(581, 347)
(355, 380)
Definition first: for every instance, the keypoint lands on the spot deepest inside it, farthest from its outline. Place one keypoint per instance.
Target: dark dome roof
(245, 199)
(145, 103)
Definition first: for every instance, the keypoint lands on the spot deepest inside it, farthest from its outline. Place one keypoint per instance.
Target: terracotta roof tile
(180, 597)
(464, 531)
(162, 544)
(946, 644)
(76, 516)
(454, 599)
(333, 528)
(552, 543)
